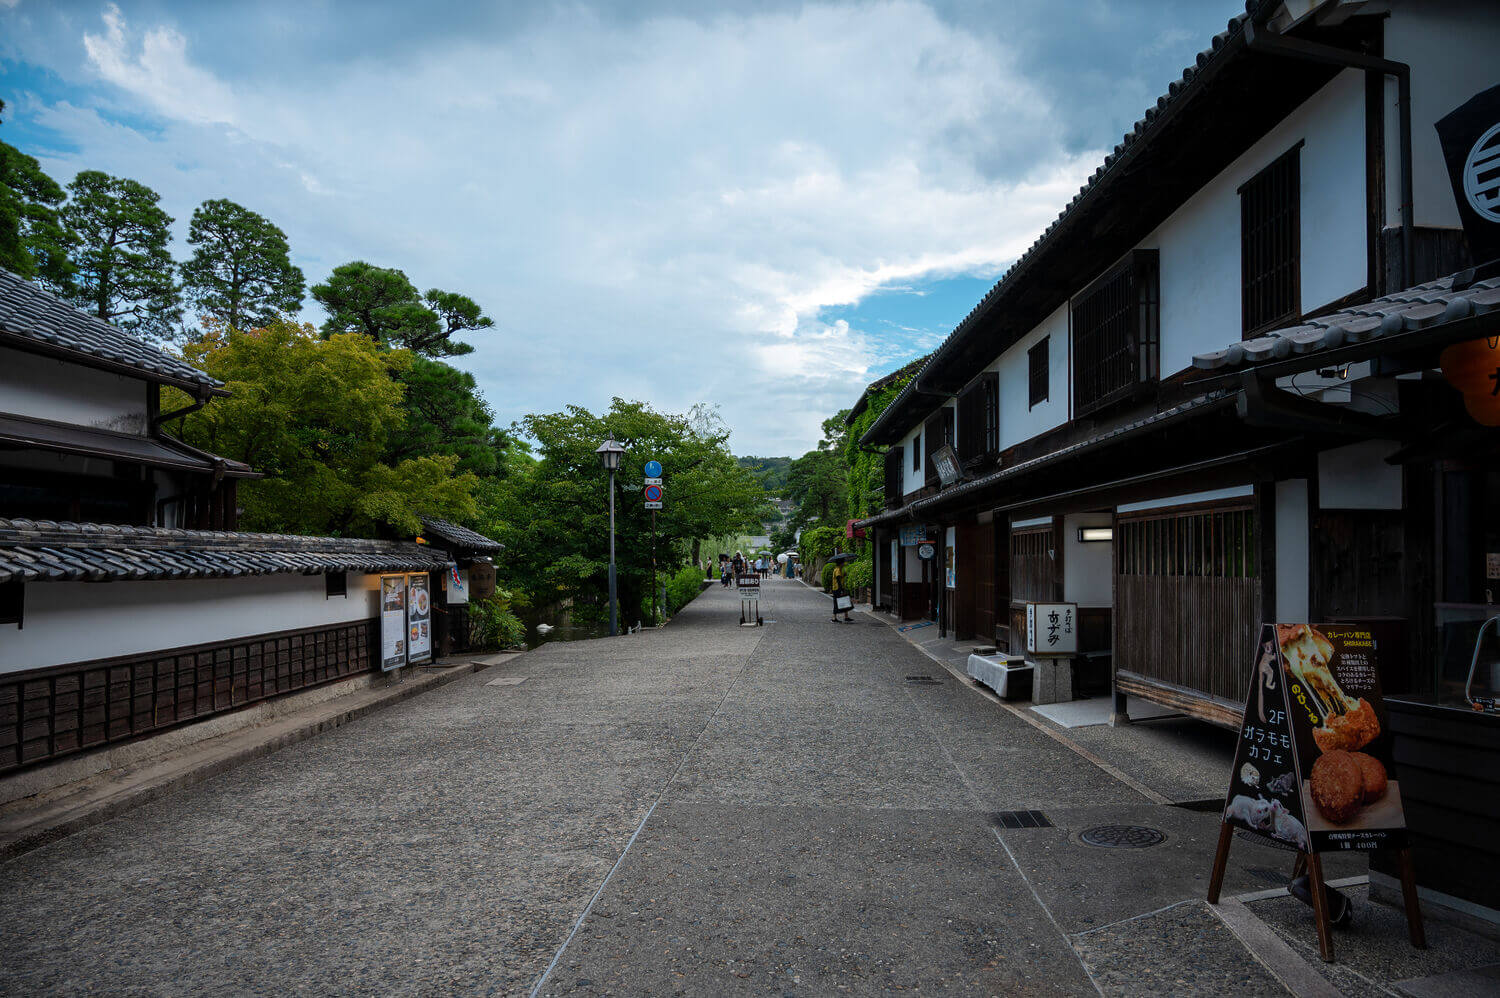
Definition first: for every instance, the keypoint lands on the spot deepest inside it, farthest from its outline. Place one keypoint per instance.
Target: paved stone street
(704, 809)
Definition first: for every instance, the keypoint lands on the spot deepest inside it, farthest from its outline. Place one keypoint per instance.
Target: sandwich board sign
(418, 621)
(749, 587)
(392, 622)
(1312, 768)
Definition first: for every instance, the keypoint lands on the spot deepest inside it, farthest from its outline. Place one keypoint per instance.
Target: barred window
(1116, 334)
(916, 452)
(1271, 245)
(1038, 360)
(939, 431)
(893, 478)
(979, 418)
(1216, 543)
(1033, 567)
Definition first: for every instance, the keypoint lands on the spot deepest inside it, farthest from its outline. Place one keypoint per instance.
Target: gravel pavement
(701, 809)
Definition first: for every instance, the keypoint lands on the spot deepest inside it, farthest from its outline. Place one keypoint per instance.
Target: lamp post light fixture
(609, 454)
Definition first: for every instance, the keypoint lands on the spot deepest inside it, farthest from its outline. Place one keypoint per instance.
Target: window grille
(1218, 543)
(916, 452)
(1038, 374)
(1116, 334)
(1033, 565)
(893, 478)
(1271, 245)
(979, 418)
(335, 584)
(939, 431)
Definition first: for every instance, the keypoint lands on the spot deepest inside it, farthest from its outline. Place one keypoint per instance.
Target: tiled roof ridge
(1417, 307)
(46, 318)
(69, 534)
(457, 533)
(1218, 46)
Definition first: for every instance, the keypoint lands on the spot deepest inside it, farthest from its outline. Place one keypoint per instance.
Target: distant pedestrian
(839, 595)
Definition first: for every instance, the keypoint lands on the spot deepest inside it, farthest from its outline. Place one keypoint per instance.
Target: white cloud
(656, 210)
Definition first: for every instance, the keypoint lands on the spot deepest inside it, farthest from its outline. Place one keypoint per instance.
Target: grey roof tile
(459, 536)
(1420, 307)
(48, 551)
(36, 314)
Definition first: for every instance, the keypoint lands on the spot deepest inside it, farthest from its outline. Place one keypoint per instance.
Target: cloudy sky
(762, 206)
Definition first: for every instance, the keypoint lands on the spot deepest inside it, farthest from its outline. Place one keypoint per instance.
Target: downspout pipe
(1258, 40)
(159, 420)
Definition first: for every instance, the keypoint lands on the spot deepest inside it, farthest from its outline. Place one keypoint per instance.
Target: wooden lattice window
(1038, 371)
(916, 452)
(1271, 245)
(939, 431)
(893, 478)
(1116, 334)
(979, 418)
(1216, 543)
(1033, 564)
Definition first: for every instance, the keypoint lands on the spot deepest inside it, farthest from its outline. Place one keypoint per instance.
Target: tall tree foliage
(445, 414)
(315, 416)
(553, 515)
(34, 242)
(241, 271)
(383, 304)
(123, 272)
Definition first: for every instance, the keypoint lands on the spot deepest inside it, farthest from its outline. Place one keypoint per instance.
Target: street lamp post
(609, 454)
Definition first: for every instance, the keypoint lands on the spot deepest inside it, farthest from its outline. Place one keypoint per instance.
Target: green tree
(445, 414)
(123, 270)
(383, 304)
(34, 242)
(315, 416)
(241, 272)
(816, 483)
(553, 515)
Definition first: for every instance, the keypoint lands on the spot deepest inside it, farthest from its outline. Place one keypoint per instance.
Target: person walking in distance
(839, 593)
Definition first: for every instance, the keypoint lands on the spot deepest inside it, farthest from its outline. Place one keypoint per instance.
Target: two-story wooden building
(1208, 395)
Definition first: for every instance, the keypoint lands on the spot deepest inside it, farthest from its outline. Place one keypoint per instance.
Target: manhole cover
(1122, 836)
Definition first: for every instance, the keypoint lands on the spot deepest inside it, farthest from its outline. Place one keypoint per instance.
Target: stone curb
(25, 831)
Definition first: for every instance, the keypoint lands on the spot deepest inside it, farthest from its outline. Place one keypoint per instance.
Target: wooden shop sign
(1312, 771)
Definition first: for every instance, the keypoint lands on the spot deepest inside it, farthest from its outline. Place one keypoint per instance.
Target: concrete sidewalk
(800, 808)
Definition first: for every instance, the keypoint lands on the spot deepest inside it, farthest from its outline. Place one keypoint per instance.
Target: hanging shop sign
(418, 621)
(945, 462)
(481, 580)
(392, 622)
(1470, 136)
(913, 535)
(1474, 369)
(1052, 629)
(1312, 769)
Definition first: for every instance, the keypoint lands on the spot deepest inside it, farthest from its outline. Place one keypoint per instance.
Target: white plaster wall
(1088, 568)
(913, 480)
(78, 621)
(1451, 47)
(1018, 420)
(44, 388)
(1358, 477)
(1292, 577)
(1200, 243)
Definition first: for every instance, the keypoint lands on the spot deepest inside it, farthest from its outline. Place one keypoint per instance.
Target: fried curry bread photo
(1347, 723)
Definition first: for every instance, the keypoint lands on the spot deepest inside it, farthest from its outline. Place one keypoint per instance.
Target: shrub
(682, 587)
(828, 577)
(492, 624)
(861, 575)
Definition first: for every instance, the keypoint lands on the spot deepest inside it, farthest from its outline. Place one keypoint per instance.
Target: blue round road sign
(653, 469)
(653, 493)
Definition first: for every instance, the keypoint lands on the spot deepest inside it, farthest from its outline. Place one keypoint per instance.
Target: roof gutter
(1257, 40)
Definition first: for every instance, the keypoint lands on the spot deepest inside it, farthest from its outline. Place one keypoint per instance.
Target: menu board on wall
(392, 622)
(418, 621)
(1313, 764)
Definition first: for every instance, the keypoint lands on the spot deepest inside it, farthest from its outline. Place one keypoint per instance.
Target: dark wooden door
(980, 552)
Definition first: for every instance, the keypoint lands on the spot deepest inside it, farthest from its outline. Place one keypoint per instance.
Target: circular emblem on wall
(1482, 175)
(926, 551)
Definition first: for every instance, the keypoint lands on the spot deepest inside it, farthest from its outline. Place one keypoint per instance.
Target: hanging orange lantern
(1474, 369)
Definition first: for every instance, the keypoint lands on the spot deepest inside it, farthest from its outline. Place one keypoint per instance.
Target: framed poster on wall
(392, 622)
(418, 621)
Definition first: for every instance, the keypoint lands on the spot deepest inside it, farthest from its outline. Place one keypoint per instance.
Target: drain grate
(1208, 805)
(1245, 835)
(1021, 819)
(1122, 837)
(923, 681)
(1269, 876)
